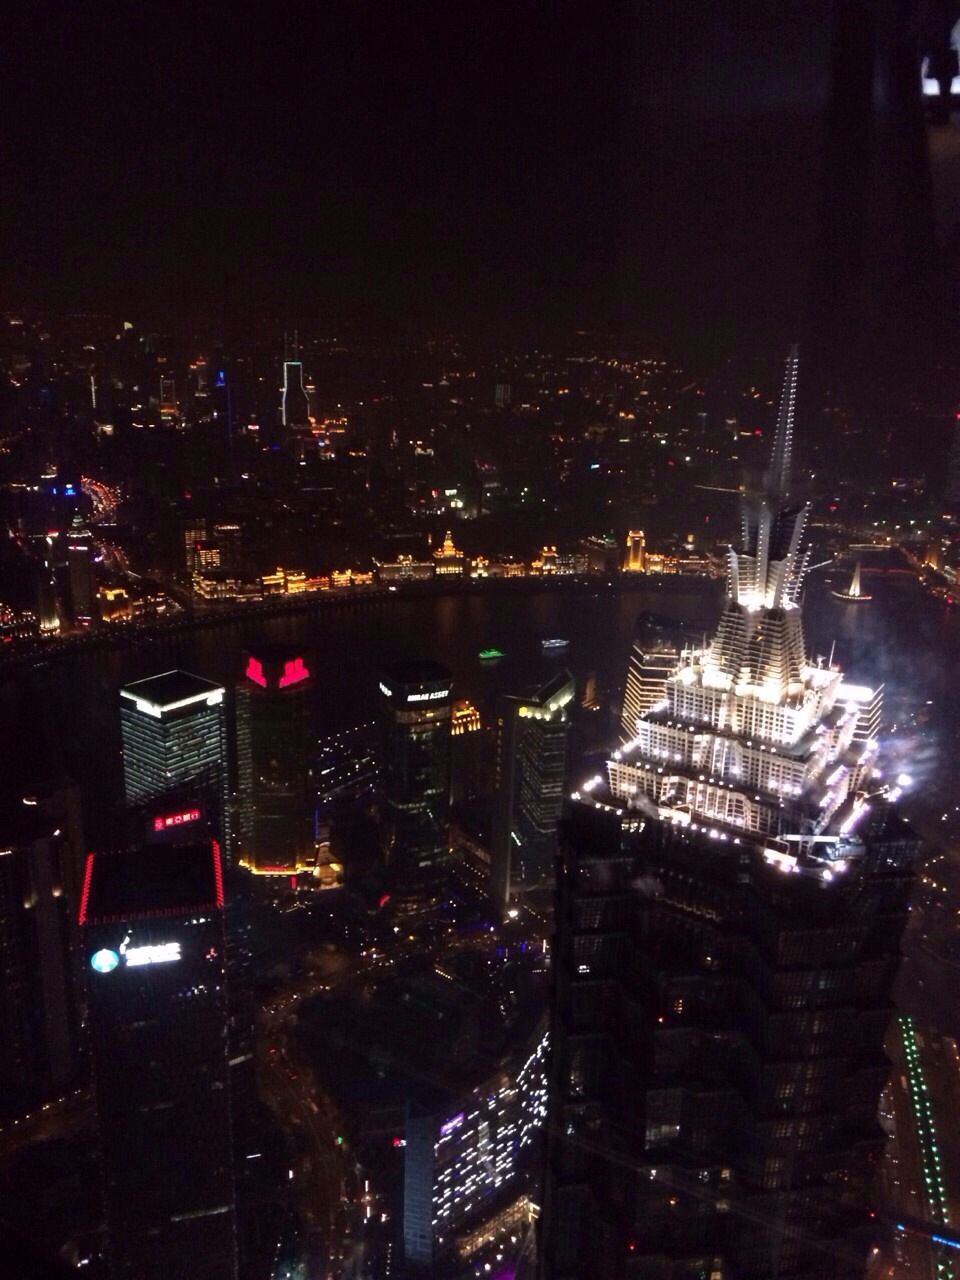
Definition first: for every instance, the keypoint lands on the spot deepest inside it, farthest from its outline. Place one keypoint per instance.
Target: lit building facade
(415, 716)
(729, 918)
(459, 1167)
(529, 789)
(751, 733)
(653, 660)
(174, 735)
(153, 953)
(633, 561)
(275, 747)
(449, 560)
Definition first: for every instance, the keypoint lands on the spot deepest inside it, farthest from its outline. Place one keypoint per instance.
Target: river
(64, 718)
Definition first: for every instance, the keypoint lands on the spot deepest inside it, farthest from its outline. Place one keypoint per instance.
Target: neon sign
(104, 961)
(293, 672)
(175, 819)
(428, 697)
(449, 1127)
(156, 953)
(254, 672)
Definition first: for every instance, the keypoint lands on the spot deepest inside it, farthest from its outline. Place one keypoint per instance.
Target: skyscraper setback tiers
(729, 915)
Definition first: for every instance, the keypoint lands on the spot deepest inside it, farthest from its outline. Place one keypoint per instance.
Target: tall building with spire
(295, 406)
(751, 733)
(729, 913)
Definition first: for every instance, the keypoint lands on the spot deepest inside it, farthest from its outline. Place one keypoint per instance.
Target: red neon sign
(293, 672)
(175, 819)
(254, 672)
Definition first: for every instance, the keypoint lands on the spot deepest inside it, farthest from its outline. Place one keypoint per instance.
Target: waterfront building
(154, 960)
(275, 744)
(449, 559)
(730, 909)
(415, 717)
(633, 561)
(531, 764)
(404, 569)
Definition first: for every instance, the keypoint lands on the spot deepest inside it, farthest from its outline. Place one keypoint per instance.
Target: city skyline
(481, 731)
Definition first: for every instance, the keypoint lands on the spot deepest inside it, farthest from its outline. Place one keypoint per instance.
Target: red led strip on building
(217, 872)
(87, 877)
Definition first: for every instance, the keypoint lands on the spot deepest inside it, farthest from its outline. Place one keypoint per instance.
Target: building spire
(777, 479)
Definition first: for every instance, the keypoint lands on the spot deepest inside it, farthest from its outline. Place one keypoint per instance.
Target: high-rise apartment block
(531, 766)
(153, 949)
(415, 716)
(729, 915)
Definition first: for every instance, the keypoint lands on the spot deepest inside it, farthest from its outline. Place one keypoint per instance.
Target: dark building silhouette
(718, 1058)
(415, 714)
(275, 753)
(532, 735)
(729, 914)
(41, 859)
(154, 960)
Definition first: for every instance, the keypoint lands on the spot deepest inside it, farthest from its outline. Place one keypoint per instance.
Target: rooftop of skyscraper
(161, 880)
(423, 671)
(170, 689)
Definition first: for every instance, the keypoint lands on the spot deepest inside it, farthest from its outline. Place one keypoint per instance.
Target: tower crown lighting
(747, 735)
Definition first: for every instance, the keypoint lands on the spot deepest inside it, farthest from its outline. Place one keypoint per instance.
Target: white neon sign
(157, 953)
(428, 697)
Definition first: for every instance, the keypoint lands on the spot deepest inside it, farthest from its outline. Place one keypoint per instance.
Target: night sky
(700, 172)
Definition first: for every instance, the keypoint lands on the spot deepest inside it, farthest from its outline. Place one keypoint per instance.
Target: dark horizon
(712, 179)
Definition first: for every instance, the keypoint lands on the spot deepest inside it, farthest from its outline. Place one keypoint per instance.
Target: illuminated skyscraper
(532, 736)
(634, 560)
(153, 951)
(174, 733)
(730, 910)
(83, 587)
(275, 750)
(295, 406)
(415, 713)
(470, 1161)
(653, 659)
